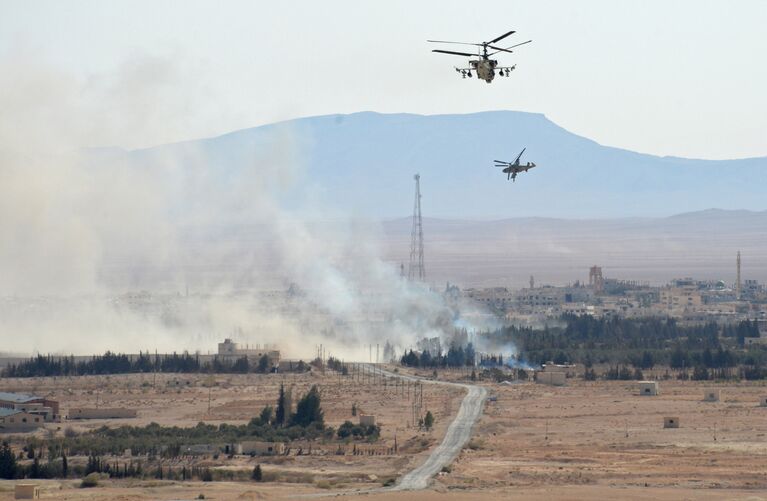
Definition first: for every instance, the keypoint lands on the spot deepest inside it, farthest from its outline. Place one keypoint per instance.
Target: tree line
(641, 342)
(117, 363)
(456, 356)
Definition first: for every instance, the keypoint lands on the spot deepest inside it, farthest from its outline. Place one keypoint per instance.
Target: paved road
(458, 434)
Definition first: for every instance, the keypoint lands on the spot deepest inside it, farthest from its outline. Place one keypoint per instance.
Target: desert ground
(580, 441)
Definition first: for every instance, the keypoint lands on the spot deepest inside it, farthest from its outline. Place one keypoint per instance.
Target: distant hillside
(486, 253)
(556, 251)
(364, 162)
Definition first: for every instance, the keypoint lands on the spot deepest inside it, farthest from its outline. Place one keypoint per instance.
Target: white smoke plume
(96, 253)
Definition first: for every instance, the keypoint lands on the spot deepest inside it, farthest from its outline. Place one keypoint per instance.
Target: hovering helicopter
(484, 66)
(514, 168)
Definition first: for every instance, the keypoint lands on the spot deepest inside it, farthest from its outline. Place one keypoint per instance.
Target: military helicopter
(484, 66)
(514, 168)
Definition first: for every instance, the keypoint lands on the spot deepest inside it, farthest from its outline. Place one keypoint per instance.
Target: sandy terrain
(582, 441)
(602, 434)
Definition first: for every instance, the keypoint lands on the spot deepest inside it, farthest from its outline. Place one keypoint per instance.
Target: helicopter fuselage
(485, 68)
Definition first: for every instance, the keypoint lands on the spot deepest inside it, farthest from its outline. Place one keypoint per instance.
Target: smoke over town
(100, 254)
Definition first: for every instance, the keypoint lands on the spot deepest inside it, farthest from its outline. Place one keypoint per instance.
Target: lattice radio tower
(416, 271)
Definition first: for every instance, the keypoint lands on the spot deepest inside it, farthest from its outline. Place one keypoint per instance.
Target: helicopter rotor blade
(459, 43)
(499, 49)
(501, 37)
(454, 53)
(517, 45)
(507, 48)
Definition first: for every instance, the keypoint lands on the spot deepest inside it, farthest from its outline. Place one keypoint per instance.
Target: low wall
(101, 413)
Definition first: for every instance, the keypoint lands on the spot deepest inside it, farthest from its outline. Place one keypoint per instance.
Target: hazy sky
(682, 78)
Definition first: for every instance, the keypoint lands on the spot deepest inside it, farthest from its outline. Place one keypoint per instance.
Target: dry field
(582, 441)
(592, 439)
(184, 400)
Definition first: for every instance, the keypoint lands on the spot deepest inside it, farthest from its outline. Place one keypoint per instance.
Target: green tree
(34, 470)
(8, 466)
(257, 473)
(647, 360)
(266, 415)
(242, 365)
(263, 364)
(280, 415)
(309, 409)
(428, 421)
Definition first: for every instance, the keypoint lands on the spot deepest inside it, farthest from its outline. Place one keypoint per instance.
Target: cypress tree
(280, 416)
(257, 473)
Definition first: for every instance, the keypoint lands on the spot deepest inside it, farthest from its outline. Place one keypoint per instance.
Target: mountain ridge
(370, 159)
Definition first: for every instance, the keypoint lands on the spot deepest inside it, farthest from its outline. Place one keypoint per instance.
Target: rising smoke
(98, 249)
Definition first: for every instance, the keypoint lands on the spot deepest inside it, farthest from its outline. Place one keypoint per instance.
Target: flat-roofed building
(229, 349)
(33, 404)
(711, 396)
(26, 491)
(648, 388)
(12, 421)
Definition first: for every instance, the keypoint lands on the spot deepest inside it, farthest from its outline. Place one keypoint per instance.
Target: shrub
(90, 480)
(428, 421)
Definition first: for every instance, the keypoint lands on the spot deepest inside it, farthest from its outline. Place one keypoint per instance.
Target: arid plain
(579, 441)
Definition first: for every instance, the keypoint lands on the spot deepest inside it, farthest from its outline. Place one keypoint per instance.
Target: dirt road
(458, 434)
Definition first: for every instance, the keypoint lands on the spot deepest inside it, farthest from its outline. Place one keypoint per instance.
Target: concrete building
(711, 396)
(367, 420)
(230, 349)
(681, 298)
(648, 388)
(48, 409)
(671, 422)
(16, 421)
(200, 449)
(258, 448)
(763, 401)
(26, 491)
(550, 378)
(578, 309)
